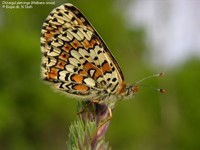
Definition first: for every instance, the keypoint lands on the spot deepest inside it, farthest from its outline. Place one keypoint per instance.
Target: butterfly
(76, 60)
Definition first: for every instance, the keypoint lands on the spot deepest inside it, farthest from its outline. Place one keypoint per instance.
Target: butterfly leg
(108, 118)
(87, 106)
(103, 112)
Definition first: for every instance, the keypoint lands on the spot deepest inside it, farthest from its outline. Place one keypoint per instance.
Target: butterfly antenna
(151, 76)
(151, 87)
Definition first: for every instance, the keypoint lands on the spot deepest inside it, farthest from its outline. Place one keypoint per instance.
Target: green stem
(88, 131)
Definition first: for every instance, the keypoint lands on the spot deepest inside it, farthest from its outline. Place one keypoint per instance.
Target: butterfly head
(131, 90)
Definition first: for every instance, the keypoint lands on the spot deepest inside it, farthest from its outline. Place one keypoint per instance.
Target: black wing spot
(55, 20)
(67, 76)
(87, 56)
(65, 34)
(57, 9)
(99, 52)
(60, 14)
(114, 79)
(84, 30)
(73, 18)
(96, 58)
(75, 69)
(75, 30)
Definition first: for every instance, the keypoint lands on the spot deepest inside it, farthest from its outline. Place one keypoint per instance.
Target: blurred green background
(35, 117)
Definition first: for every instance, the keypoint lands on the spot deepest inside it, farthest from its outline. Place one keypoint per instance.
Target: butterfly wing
(75, 58)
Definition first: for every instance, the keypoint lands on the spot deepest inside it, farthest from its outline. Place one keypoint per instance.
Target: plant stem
(88, 131)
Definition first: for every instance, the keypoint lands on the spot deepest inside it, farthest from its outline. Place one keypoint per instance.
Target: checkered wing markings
(81, 20)
(75, 57)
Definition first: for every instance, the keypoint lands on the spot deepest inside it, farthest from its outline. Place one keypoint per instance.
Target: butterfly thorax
(111, 98)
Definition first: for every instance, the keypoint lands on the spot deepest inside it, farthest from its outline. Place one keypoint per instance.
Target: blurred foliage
(33, 116)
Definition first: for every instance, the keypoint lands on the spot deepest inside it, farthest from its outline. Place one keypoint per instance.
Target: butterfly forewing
(75, 58)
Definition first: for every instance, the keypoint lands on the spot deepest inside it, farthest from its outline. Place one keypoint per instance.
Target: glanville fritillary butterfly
(76, 61)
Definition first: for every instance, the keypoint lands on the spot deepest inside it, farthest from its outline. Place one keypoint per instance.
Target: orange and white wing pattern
(75, 59)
